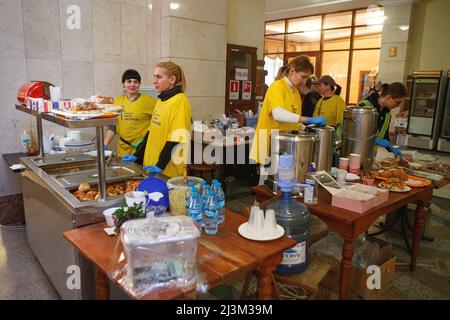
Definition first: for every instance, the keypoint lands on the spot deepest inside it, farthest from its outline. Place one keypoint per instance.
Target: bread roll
(84, 186)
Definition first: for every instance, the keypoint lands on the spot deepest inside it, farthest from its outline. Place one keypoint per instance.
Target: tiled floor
(21, 276)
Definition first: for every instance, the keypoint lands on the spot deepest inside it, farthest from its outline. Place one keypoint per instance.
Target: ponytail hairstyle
(395, 90)
(173, 69)
(300, 63)
(337, 90)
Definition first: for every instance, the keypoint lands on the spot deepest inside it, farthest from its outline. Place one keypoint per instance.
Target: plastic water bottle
(25, 141)
(210, 215)
(202, 186)
(213, 184)
(190, 185)
(220, 195)
(195, 209)
(206, 189)
(310, 193)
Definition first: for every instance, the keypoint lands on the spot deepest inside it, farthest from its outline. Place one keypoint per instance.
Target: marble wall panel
(207, 41)
(206, 108)
(134, 34)
(42, 29)
(204, 78)
(214, 11)
(11, 29)
(78, 79)
(76, 44)
(108, 78)
(107, 34)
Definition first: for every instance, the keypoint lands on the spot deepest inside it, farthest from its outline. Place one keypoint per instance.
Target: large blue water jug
(294, 218)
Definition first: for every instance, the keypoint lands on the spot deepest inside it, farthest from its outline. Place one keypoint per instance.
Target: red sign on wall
(234, 90)
(246, 90)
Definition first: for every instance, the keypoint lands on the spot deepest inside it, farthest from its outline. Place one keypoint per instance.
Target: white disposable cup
(55, 93)
(108, 213)
(251, 218)
(258, 227)
(74, 135)
(136, 197)
(341, 175)
(343, 163)
(270, 223)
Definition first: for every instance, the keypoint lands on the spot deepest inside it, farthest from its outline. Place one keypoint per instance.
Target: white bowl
(108, 213)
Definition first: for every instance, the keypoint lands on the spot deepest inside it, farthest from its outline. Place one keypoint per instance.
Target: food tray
(82, 116)
(424, 182)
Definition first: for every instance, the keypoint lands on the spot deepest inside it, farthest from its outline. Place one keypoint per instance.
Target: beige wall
(430, 42)
(246, 24)
(37, 45)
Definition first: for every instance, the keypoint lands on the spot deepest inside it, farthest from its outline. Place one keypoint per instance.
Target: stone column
(395, 43)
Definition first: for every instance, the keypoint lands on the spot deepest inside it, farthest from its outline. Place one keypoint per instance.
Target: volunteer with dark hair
(171, 122)
(309, 96)
(331, 106)
(132, 124)
(390, 97)
(282, 107)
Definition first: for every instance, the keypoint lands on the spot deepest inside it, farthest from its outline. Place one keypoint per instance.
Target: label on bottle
(295, 255)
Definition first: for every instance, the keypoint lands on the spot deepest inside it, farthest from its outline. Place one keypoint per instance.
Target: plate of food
(401, 175)
(394, 185)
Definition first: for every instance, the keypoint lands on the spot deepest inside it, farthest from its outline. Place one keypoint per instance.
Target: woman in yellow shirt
(331, 106)
(169, 131)
(282, 109)
(132, 125)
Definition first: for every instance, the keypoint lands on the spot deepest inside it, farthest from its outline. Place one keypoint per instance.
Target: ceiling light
(174, 6)
(404, 27)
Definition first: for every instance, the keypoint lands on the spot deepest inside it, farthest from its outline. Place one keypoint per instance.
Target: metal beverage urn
(303, 146)
(328, 142)
(359, 133)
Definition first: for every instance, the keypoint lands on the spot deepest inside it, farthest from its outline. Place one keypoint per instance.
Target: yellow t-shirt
(279, 94)
(133, 123)
(331, 109)
(171, 121)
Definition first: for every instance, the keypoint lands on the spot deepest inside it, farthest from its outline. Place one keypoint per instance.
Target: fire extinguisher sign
(234, 89)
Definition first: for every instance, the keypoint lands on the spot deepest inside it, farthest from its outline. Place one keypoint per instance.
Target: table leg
(346, 268)
(418, 227)
(101, 285)
(265, 277)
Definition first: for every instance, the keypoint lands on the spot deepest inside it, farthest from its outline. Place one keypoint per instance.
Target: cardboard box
(381, 195)
(358, 289)
(353, 200)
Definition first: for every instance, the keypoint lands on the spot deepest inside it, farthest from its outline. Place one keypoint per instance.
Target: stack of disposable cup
(354, 163)
(260, 225)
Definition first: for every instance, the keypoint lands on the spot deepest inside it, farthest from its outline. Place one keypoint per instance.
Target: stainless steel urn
(328, 142)
(303, 146)
(359, 133)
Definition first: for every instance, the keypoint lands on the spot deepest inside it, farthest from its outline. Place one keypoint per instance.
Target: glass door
(446, 121)
(423, 106)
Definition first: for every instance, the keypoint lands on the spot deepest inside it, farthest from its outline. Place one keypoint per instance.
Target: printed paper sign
(241, 74)
(246, 90)
(234, 90)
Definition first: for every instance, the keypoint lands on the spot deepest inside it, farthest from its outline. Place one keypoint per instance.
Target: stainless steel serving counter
(51, 209)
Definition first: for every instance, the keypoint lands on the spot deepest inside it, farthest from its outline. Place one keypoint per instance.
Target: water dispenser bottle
(294, 218)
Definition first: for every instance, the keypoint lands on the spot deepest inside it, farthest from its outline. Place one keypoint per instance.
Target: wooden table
(351, 224)
(220, 258)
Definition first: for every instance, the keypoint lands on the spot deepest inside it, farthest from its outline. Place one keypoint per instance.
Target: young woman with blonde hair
(171, 120)
(282, 107)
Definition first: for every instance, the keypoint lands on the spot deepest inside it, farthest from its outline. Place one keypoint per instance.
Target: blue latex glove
(153, 169)
(105, 146)
(396, 152)
(316, 120)
(129, 158)
(383, 143)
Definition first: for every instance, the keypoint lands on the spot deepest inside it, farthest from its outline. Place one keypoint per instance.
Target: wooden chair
(308, 280)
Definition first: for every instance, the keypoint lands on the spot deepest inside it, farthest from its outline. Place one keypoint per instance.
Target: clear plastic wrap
(157, 256)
